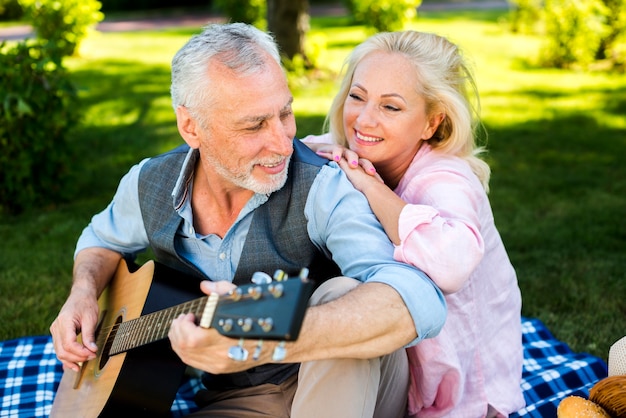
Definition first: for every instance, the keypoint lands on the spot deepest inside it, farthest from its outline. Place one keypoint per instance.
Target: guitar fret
(151, 327)
(128, 336)
(155, 329)
(135, 329)
(141, 337)
(118, 340)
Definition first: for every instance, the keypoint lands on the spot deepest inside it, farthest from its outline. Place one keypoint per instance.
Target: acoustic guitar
(135, 372)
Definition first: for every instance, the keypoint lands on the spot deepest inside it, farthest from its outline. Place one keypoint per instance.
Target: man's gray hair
(239, 46)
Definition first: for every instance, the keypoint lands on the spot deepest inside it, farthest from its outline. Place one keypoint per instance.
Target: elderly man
(242, 195)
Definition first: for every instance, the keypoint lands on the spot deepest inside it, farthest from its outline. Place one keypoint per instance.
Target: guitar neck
(155, 326)
(273, 310)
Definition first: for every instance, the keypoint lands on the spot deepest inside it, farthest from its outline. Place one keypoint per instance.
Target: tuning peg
(257, 350)
(280, 275)
(280, 352)
(276, 290)
(266, 324)
(238, 352)
(236, 294)
(226, 324)
(255, 291)
(245, 324)
(259, 277)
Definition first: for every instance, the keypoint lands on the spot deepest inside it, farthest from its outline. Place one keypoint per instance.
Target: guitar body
(142, 381)
(135, 371)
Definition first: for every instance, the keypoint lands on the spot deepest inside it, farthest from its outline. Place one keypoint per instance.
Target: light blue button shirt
(339, 222)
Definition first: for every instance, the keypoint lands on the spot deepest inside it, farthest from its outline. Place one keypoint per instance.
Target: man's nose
(281, 139)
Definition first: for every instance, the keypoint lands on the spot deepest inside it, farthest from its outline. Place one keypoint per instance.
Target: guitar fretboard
(152, 327)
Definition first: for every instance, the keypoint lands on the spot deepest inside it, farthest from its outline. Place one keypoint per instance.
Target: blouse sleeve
(318, 139)
(440, 228)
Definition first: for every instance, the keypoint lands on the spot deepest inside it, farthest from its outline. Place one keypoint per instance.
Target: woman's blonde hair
(445, 82)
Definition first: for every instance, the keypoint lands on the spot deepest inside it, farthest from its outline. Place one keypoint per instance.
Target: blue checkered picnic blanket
(30, 375)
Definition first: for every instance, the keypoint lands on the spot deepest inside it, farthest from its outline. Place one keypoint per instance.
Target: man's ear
(187, 127)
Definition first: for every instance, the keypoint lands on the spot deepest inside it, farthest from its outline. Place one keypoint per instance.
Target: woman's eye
(391, 108)
(355, 97)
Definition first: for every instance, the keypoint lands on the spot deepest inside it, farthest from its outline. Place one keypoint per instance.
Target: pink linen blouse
(448, 230)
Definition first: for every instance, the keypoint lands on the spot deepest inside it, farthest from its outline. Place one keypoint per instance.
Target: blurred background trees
(38, 103)
(288, 20)
(579, 33)
(383, 15)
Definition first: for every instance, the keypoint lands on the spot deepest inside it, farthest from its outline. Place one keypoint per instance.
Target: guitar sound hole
(104, 358)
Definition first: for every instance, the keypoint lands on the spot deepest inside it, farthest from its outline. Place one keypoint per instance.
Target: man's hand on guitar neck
(206, 349)
(221, 288)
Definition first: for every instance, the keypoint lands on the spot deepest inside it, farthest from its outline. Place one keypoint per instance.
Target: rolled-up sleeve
(341, 223)
(439, 228)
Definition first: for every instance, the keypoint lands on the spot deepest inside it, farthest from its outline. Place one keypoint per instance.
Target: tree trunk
(288, 21)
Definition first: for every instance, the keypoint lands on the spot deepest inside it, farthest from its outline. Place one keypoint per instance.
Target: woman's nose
(367, 116)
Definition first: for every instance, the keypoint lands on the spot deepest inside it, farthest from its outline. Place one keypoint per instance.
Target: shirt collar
(185, 177)
(182, 189)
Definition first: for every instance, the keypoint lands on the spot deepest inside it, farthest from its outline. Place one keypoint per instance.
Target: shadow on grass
(559, 198)
(558, 191)
(326, 22)
(127, 117)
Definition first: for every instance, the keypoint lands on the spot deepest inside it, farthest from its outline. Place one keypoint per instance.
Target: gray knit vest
(277, 239)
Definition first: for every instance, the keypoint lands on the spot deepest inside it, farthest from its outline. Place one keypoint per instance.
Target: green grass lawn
(557, 141)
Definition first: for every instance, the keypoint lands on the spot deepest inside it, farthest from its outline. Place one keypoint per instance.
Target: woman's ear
(187, 127)
(433, 123)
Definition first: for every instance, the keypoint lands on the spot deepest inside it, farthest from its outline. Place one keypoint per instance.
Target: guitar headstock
(270, 310)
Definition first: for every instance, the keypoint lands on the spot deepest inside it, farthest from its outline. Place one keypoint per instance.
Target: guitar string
(128, 339)
(110, 334)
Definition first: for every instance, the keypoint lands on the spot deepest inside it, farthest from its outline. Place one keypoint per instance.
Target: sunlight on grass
(556, 142)
(146, 47)
(108, 113)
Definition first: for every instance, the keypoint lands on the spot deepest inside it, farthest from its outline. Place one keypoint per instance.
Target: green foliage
(39, 102)
(246, 11)
(10, 10)
(578, 33)
(62, 24)
(574, 29)
(525, 14)
(38, 109)
(383, 15)
(613, 45)
(298, 67)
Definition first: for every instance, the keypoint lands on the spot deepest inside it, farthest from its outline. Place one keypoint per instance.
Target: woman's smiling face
(384, 116)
